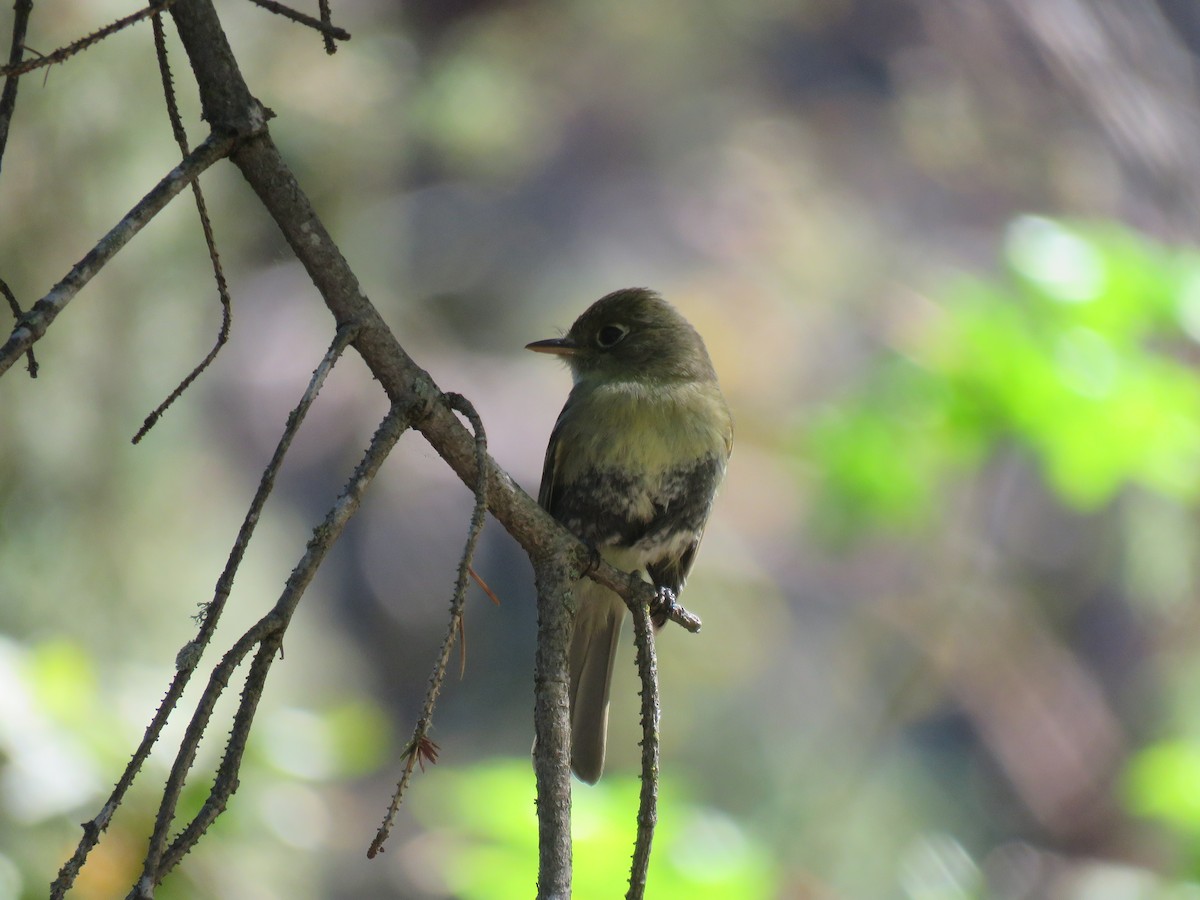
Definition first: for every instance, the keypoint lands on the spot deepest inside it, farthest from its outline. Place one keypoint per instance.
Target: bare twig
(267, 633)
(421, 732)
(164, 68)
(323, 25)
(64, 53)
(32, 367)
(8, 97)
(212, 611)
(327, 21)
(647, 663)
(189, 656)
(33, 324)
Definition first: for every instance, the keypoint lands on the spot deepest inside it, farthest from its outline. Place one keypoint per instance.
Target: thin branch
(420, 738)
(647, 818)
(217, 682)
(268, 634)
(8, 97)
(551, 723)
(177, 129)
(64, 53)
(323, 25)
(32, 367)
(635, 592)
(32, 326)
(226, 781)
(212, 611)
(327, 21)
(189, 656)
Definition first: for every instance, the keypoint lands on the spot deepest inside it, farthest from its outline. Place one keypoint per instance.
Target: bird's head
(631, 335)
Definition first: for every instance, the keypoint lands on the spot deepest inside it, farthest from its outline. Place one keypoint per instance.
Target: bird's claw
(662, 606)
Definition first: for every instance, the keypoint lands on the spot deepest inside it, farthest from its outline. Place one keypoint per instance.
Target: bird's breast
(643, 429)
(639, 466)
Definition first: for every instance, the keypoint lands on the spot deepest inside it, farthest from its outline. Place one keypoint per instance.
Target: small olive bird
(633, 464)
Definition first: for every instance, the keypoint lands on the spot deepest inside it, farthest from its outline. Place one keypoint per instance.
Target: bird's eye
(610, 335)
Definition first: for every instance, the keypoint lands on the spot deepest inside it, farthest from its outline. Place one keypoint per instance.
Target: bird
(632, 467)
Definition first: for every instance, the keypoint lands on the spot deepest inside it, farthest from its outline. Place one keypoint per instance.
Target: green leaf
(1163, 783)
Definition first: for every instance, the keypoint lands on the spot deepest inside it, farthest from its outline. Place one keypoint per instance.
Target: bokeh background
(942, 255)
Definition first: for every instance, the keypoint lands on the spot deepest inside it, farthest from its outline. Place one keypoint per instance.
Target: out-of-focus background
(941, 253)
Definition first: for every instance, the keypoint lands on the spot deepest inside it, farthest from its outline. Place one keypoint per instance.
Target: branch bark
(552, 725)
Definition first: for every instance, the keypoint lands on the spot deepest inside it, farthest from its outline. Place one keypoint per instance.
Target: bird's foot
(664, 603)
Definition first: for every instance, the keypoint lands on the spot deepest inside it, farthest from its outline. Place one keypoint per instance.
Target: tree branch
(420, 747)
(33, 324)
(267, 633)
(177, 130)
(552, 725)
(323, 25)
(22, 9)
(189, 655)
(13, 305)
(647, 663)
(65, 53)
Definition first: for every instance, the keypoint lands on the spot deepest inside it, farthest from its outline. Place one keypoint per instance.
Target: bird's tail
(593, 649)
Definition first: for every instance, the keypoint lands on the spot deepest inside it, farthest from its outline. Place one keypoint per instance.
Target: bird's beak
(563, 346)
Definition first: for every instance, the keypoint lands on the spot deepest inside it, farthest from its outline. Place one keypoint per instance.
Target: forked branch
(267, 634)
(33, 324)
(189, 656)
(64, 53)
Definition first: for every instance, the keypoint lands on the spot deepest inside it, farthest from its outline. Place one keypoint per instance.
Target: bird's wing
(550, 465)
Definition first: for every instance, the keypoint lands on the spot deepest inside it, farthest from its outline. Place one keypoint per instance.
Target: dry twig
(8, 97)
(65, 53)
(177, 129)
(323, 24)
(34, 323)
(454, 629)
(189, 656)
(32, 366)
(267, 634)
(239, 131)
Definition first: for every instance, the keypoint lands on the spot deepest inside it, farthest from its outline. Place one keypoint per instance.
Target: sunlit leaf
(1163, 782)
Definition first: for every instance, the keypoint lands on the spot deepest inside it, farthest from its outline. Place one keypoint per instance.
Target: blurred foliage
(486, 814)
(1083, 353)
(60, 744)
(1163, 782)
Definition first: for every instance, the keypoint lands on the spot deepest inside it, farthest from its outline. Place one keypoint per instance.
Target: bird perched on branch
(633, 464)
